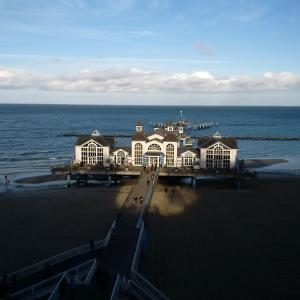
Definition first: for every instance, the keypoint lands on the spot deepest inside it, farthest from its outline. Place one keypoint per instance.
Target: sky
(160, 52)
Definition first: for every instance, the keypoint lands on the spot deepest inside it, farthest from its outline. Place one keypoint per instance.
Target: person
(6, 180)
(135, 198)
(148, 181)
(166, 191)
(141, 200)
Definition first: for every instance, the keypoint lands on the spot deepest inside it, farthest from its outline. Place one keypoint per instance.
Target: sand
(41, 178)
(37, 224)
(219, 243)
(263, 162)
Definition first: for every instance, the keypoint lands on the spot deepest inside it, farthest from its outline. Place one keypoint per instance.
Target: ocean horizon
(37, 134)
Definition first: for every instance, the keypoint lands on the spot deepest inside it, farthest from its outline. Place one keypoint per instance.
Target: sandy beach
(219, 243)
(263, 162)
(37, 224)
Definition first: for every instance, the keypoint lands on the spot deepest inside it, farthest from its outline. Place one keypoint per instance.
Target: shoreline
(263, 162)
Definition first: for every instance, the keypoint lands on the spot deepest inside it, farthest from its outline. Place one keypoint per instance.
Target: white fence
(63, 256)
(144, 289)
(50, 286)
(139, 285)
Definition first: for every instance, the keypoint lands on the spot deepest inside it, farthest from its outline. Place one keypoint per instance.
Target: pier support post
(194, 183)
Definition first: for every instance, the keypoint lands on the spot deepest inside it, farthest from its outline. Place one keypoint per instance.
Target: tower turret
(139, 126)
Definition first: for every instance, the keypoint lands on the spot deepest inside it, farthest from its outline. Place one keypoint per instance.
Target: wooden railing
(99, 244)
(139, 285)
(50, 286)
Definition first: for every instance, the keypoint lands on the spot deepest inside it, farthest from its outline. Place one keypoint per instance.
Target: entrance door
(153, 160)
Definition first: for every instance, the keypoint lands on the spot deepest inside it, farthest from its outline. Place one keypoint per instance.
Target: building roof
(170, 137)
(167, 136)
(206, 142)
(159, 131)
(185, 149)
(102, 140)
(139, 136)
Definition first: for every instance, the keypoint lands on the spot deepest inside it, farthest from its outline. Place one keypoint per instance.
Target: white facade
(160, 148)
(218, 156)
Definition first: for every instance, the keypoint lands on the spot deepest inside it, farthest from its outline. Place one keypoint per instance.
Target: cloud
(144, 81)
(249, 16)
(204, 48)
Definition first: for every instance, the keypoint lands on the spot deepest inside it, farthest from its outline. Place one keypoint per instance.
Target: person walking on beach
(141, 200)
(135, 198)
(6, 181)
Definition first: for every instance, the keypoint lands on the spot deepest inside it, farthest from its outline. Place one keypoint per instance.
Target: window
(188, 159)
(218, 158)
(226, 159)
(170, 155)
(92, 154)
(121, 157)
(154, 147)
(209, 158)
(138, 154)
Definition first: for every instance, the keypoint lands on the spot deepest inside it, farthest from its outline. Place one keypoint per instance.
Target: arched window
(188, 159)
(92, 154)
(154, 147)
(92, 150)
(138, 154)
(170, 155)
(218, 157)
(121, 157)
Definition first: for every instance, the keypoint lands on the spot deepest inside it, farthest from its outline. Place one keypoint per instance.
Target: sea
(35, 137)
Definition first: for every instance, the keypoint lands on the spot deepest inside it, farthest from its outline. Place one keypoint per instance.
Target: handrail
(89, 276)
(147, 286)
(42, 285)
(58, 258)
(116, 288)
(138, 249)
(136, 289)
(54, 295)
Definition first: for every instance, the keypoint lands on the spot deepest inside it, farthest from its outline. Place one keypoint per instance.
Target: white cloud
(144, 81)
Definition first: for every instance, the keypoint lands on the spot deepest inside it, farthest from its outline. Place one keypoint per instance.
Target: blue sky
(150, 52)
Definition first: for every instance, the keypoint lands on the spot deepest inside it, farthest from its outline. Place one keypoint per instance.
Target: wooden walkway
(117, 256)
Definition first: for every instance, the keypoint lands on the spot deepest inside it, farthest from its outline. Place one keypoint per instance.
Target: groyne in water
(246, 137)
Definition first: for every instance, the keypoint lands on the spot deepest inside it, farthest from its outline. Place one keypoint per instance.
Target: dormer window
(95, 133)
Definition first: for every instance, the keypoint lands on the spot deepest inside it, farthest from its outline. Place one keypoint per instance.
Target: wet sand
(37, 224)
(259, 163)
(41, 179)
(219, 243)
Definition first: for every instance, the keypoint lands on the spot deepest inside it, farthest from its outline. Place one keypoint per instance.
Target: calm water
(32, 136)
